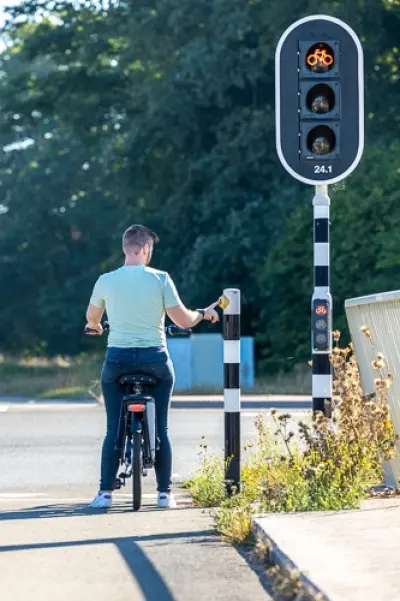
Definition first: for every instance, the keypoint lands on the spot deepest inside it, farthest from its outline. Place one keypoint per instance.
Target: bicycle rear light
(136, 408)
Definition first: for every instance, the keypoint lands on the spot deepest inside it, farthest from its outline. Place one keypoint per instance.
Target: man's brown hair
(136, 236)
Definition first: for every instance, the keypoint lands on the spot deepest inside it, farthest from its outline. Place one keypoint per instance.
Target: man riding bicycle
(136, 298)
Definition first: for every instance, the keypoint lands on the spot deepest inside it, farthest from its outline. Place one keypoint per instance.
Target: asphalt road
(54, 548)
(57, 447)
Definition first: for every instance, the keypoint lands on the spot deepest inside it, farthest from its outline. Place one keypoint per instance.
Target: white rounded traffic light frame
(320, 60)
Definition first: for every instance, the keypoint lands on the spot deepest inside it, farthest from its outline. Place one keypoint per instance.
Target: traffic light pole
(319, 112)
(321, 303)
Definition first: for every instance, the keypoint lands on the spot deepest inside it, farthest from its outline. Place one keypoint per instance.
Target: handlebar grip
(106, 328)
(177, 331)
(90, 330)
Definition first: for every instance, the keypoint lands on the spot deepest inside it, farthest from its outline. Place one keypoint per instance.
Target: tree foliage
(365, 247)
(162, 111)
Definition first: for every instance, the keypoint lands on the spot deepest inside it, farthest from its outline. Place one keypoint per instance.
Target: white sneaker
(102, 500)
(166, 500)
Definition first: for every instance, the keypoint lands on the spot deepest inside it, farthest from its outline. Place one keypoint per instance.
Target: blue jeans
(156, 362)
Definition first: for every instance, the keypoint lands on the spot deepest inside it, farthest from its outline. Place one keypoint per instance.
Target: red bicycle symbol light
(321, 310)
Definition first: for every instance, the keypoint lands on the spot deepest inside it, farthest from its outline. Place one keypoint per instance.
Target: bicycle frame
(137, 415)
(142, 420)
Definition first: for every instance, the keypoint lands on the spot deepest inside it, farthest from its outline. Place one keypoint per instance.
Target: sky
(2, 15)
(6, 3)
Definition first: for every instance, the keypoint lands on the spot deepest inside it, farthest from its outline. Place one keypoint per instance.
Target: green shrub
(207, 483)
(330, 465)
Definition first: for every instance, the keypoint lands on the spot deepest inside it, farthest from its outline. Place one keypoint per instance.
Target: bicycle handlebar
(171, 331)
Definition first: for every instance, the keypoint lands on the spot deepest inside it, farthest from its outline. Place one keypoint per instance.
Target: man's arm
(183, 317)
(93, 316)
(96, 307)
(179, 314)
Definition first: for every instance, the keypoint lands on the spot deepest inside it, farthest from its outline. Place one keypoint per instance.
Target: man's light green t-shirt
(136, 299)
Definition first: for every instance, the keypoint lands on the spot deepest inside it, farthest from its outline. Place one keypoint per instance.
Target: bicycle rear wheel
(137, 468)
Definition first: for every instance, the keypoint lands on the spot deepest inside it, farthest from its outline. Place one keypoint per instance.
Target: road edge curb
(276, 560)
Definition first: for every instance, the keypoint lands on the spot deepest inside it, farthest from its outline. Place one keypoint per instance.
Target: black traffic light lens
(321, 140)
(320, 99)
(320, 58)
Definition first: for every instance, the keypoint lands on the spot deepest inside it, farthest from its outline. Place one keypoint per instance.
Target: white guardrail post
(381, 314)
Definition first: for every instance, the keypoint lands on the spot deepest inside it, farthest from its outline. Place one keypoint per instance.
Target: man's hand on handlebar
(91, 330)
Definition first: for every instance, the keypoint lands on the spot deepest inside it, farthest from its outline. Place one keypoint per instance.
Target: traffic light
(321, 326)
(319, 100)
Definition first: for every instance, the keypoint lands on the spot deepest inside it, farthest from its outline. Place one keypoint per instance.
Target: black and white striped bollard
(321, 305)
(231, 327)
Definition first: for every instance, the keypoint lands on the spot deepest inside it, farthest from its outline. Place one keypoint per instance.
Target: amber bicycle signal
(321, 57)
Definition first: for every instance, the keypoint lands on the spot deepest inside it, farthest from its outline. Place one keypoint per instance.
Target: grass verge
(78, 378)
(44, 378)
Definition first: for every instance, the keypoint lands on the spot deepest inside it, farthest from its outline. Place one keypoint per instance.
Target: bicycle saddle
(143, 379)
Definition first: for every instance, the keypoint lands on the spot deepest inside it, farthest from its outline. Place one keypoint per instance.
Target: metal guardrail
(381, 314)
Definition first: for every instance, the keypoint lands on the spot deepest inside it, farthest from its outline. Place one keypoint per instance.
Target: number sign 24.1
(322, 168)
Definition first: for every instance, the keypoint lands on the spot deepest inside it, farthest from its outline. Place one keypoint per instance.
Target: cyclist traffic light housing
(319, 100)
(321, 326)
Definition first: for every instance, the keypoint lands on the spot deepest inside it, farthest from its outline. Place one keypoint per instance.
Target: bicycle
(139, 441)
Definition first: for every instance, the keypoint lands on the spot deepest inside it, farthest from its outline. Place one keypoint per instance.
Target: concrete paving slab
(347, 555)
(66, 552)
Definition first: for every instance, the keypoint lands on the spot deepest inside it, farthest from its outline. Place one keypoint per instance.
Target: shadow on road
(145, 573)
(65, 510)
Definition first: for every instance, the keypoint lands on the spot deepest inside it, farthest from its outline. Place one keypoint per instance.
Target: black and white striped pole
(231, 326)
(321, 304)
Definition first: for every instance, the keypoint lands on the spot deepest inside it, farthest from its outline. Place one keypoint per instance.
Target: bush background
(162, 112)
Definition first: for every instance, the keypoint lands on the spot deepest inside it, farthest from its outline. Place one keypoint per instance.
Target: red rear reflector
(136, 408)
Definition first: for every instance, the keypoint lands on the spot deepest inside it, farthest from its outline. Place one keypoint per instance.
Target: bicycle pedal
(121, 480)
